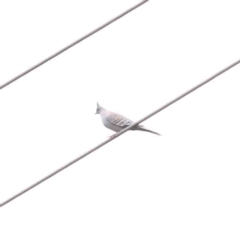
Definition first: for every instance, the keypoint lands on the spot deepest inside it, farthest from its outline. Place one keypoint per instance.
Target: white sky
(184, 185)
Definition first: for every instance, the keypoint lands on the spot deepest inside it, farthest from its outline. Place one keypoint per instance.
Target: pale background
(184, 185)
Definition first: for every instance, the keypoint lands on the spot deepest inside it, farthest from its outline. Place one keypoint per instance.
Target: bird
(117, 122)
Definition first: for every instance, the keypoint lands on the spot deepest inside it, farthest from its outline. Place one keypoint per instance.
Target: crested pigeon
(117, 122)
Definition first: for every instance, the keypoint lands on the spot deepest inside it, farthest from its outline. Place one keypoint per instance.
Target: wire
(71, 45)
(118, 134)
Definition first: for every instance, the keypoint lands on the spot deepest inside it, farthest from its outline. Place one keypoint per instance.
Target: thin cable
(72, 44)
(118, 134)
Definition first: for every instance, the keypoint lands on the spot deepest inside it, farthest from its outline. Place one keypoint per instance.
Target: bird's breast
(109, 125)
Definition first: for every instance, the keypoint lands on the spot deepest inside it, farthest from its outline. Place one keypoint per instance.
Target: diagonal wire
(119, 133)
(72, 44)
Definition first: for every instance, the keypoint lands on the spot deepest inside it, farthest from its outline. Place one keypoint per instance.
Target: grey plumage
(117, 122)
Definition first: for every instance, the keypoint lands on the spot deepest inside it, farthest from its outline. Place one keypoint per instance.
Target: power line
(118, 134)
(71, 45)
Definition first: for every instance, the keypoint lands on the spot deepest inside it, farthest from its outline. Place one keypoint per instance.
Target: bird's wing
(119, 120)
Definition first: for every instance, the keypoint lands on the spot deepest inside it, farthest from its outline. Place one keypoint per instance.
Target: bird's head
(99, 109)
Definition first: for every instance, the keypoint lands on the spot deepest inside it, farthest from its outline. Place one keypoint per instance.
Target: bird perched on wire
(117, 122)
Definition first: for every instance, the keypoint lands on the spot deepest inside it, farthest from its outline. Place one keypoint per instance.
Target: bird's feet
(111, 137)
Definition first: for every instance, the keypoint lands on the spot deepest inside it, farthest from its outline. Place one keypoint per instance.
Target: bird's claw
(112, 136)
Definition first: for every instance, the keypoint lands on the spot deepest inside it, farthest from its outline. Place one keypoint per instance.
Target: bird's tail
(141, 128)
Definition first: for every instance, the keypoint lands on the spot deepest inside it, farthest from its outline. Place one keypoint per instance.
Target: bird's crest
(99, 108)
